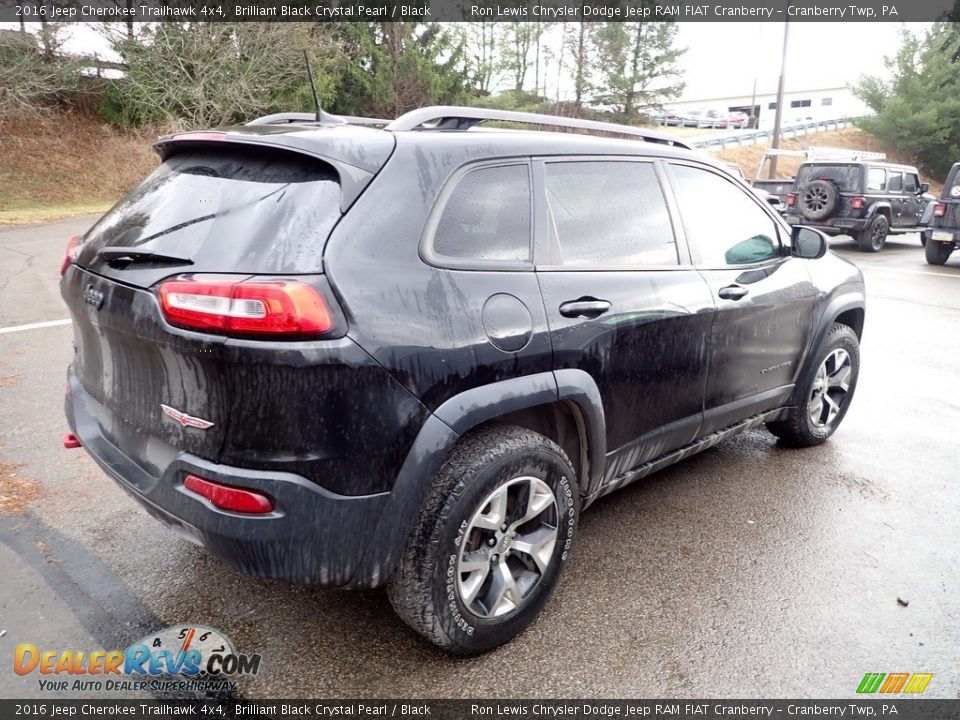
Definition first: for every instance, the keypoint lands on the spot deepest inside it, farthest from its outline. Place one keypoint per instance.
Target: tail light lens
(282, 307)
(858, 202)
(939, 210)
(70, 255)
(227, 497)
(791, 199)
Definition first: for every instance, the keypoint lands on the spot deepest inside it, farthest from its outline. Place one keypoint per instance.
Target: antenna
(313, 87)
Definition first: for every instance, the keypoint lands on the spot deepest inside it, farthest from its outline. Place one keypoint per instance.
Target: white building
(830, 103)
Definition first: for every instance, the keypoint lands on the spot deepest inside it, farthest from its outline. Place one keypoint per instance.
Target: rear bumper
(943, 235)
(313, 535)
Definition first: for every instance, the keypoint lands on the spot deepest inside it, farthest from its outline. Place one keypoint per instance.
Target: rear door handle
(585, 307)
(732, 292)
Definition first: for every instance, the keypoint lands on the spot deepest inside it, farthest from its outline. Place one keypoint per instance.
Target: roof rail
(448, 117)
(326, 118)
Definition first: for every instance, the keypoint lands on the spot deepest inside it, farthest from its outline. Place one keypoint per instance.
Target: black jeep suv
(410, 355)
(866, 200)
(942, 236)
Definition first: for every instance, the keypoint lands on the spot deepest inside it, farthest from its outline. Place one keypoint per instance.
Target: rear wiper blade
(129, 255)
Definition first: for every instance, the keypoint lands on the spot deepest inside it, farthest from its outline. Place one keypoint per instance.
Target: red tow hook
(71, 441)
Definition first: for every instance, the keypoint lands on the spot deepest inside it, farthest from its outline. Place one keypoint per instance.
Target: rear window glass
(487, 217)
(240, 209)
(895, 182)
(846, 177)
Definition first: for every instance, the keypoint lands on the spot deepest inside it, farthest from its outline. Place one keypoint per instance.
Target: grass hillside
(67, 165)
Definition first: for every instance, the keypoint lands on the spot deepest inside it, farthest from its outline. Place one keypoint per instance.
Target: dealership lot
(750, 570)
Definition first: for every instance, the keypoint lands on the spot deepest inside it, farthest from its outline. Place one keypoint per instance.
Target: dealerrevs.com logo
(180, 657)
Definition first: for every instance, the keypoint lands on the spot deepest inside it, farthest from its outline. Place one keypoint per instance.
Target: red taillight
(71, 441)
(858, 202)
(71, 253)
(791, 199)
(227, 497)
(939, 210)
(281, 307)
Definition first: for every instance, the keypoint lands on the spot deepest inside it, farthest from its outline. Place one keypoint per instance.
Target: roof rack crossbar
(448, 117)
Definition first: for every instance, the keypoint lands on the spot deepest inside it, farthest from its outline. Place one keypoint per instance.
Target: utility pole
(775, 143)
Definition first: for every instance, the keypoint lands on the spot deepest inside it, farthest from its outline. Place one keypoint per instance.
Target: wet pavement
(751, 570)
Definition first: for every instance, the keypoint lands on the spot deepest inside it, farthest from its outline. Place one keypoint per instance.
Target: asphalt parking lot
(751, 570)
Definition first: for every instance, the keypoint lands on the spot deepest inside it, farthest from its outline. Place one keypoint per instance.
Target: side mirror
(808, 243)
(924, 187)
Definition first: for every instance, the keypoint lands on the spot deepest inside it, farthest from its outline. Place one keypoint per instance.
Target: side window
(895, 182)
(876, 179)
(610, 213)
(911, 184)
(723, 223)
(487, 217)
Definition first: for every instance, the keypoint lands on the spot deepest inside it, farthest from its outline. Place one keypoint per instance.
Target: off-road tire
(423, 590)
(937, 252)
(797, 428)
(818, 199)
(874, 236)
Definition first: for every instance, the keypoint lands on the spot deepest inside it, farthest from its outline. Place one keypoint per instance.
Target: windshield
(239, 209)
(846, 177)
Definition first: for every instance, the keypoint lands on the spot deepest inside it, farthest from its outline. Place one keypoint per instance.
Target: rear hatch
(213, 215)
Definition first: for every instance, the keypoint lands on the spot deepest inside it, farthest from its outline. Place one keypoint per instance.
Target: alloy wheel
(830, 388)
(507, 547)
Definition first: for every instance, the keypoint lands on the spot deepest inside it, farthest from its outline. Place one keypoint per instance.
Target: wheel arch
(880, 207)
(847, 309)
(564, 404)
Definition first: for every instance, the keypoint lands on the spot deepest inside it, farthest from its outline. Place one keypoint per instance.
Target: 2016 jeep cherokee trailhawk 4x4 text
(409, 354)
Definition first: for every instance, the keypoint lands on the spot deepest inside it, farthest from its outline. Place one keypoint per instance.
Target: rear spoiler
(356, 163)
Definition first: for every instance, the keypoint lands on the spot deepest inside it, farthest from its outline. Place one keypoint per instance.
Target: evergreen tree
(638, 65)
(917, 109)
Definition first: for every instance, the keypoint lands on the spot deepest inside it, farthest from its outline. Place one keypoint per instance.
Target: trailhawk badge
(184, 419)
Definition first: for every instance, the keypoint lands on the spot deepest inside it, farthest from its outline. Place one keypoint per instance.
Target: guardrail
(754, 137)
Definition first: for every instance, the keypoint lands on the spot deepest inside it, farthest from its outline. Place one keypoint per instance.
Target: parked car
(709, 118)
(738, 119)
(867, 200)
(942, 236)
(412, 355)
(679, 118)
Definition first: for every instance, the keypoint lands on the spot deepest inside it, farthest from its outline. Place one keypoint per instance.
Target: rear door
(206, 210)
(623, 302)
(764, 298)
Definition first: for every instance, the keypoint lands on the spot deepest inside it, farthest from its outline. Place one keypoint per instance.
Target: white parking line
(909, 272)
(33, 326)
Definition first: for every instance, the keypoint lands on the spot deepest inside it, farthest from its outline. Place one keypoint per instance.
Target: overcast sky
(724, 58)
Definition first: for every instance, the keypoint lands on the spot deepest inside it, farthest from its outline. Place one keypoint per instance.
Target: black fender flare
(876, 207)
(443, 428)
(851, 299)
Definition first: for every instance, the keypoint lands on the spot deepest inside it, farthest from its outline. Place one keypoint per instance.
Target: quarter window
(610, 213)
(487, 217)
(876, 179)
(724, 225)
